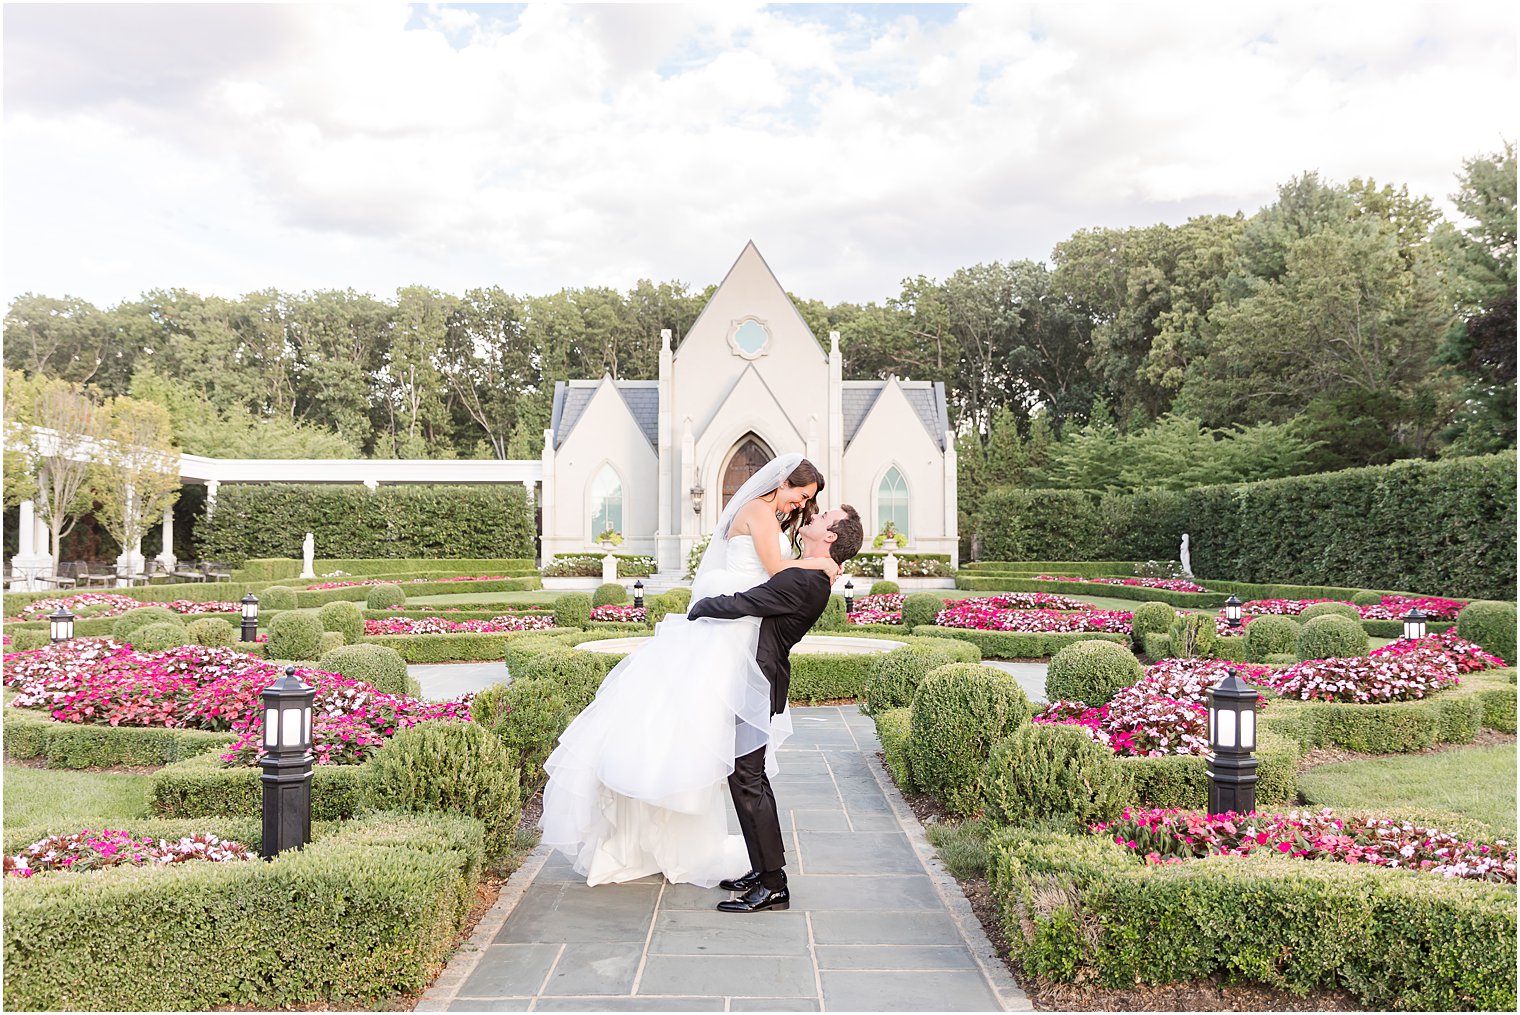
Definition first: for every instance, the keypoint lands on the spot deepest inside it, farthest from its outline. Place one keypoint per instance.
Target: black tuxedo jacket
(789, 603)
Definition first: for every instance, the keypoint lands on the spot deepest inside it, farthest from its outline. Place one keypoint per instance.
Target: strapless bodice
(744, 559)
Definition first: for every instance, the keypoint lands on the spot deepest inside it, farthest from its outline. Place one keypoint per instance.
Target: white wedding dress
(638, 783)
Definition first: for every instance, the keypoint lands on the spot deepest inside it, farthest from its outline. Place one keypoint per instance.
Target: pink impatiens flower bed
(91, 850)
(992, 615)
(439, 625)
(626, 614)
(103, 605)
(1164, 712)
(1167, 584)
(1391, 607)
(1159, 836)
(101, 682)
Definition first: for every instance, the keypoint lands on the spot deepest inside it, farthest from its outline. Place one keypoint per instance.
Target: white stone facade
(628, 455)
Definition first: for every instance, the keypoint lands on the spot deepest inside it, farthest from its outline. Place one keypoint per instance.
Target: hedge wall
(450, 648)
(202, 786)
(278, 568)
(1453, 716)
(1078, 908)
(32, 733)
(1438, 528)
(408, 521)
(992, 582)
(1013, 644)
(367, 913)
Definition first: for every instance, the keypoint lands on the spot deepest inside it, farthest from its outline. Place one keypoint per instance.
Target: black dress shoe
(742, 883)
(756, 899)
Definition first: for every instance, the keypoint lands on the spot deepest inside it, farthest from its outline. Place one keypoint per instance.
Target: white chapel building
(655, 461)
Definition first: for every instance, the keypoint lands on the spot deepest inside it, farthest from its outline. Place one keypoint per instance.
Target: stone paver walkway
(876, 923)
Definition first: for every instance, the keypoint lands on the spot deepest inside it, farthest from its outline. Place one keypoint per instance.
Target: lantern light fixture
(61, 625)
(1232, 610)
(638, 594)
(1414, 624)
(1232, 746)
(849, 596)
(287, 763)
(697, 493)
(250, 617)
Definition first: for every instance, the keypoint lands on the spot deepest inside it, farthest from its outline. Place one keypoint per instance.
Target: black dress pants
(756, 808)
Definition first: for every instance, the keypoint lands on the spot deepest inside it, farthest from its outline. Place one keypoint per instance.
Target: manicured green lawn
(38, 795)
(462, 598)
(1476, 782)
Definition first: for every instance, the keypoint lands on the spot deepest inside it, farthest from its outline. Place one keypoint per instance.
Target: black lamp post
(1232, 746)
(1232, 611)
(638, 593)
(849, 596)
(250, 617)
(287, 764)
(61, 625)
(1414, 624)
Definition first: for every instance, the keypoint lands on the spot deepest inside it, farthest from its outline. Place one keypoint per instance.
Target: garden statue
(308, 553)
(1186, 557)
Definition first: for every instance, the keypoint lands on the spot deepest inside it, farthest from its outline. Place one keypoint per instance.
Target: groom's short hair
(847, 535)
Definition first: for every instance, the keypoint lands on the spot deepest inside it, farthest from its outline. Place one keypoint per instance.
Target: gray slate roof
(926, 397)
(572, 397)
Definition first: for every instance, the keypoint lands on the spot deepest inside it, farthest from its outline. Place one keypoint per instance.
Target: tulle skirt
(638, 782)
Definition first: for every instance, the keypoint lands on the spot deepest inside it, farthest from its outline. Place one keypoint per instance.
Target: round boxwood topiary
(343, 617)
(1046, 770)
(296, 634)
(920, 608)
(1490, 624)
(329, 641)
(212, 631)
(959, 712)
(128, 623)
(276, 597)
(384, 596)
(885, 588)
(159, 637)
(1270, 635)
(449, 767)
(26, 641)
(1331, 637)
(1091, 671)
(381, 667)
(609, 594)
(679, 599)
(1150, 618)
(894, 676)
(573, 609)
(1330, 609)
(1365, 598)
(1192, 636)
(833, 617)
(1281, 659)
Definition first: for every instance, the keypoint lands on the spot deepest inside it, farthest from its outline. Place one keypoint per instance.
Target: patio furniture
(217, 571)
(133, 577)
(185, 571)
(91, 573)
(62, 577)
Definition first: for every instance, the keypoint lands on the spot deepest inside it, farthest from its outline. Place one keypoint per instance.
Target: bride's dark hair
(805, 472)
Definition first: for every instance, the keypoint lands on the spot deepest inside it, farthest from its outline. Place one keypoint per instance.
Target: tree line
(1344, 324)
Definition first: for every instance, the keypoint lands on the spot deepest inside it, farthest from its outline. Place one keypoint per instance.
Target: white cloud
(229, 148)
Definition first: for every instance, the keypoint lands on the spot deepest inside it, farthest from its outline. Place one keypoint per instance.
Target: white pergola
(34, 556)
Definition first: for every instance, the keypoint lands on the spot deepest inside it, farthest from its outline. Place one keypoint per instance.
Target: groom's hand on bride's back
(697, 610)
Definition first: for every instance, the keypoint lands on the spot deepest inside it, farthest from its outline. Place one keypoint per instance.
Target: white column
(166, 555)
(34, 551)
(667, 540)
(835, 475)
(25, 529)
(690, 523)
(130, 561)
(212, 488)
(952, 500)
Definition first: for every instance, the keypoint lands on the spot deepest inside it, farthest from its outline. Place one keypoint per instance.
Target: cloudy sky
(227, 148)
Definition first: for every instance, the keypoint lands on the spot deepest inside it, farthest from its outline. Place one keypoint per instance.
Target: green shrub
(833, 616)
(679, 599)
(344, 617)
(892, 729)
(959, 712)
(384, 596)
(380, 667)
(1158, 646)
(1014, 644)
(329, 641)
(1148, 618)
(1092, 671)
(1053, 771)
(1491, 625)
(1452, 716)
(212, 631)
(1367, 599)
(128, 623)
(1270, 636)
(294, 635)
(204, 936)
(449, 767)
(201, 785)
(1331, 637)
(277, 597)
(1192, 636)
(448, 648)
(1232, 649)
(1282, 658)
(921, 608)
(573, 609)
(26, 641)
(609, 594)
(1329, 609)
(1182, 780)
(32, 733)
(159, 637)
(530, 715)
(892, 678)
(883, 588)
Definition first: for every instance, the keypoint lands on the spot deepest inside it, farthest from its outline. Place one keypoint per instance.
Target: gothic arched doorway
(749, 454)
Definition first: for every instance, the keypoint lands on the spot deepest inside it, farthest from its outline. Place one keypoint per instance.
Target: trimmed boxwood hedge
(201, 936)
(449, 648)
(1078, 908)
(892, 727)
(195, 592)
(1081, 568)
(279, 568)
(32, 733)
(1013, 645)
(1011, 583)
(202, 786)
(1452, 716)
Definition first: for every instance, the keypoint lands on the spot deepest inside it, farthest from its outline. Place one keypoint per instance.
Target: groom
(790, 603)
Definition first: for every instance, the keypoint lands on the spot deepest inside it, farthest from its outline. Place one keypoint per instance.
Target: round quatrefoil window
(749, 337)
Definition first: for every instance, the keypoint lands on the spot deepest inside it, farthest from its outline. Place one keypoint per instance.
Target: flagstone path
(876, 923)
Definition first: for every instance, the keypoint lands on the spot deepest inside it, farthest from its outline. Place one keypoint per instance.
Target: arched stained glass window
(606, 503)
(892, 502)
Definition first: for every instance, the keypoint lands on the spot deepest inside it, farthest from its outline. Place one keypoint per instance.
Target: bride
(638, 783)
